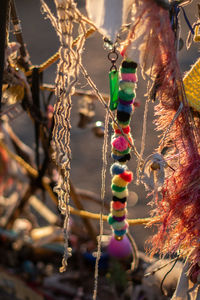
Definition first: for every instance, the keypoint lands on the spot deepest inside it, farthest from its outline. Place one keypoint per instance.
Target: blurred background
(86, 145)
(42, 42)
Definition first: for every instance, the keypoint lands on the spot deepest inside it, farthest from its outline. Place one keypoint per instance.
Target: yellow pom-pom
(119, 213)
(121, 125)
(120, 195)
(117, 180)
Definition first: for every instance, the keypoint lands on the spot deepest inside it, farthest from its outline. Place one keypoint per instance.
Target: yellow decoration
(192, 86)
(115, 126)
(196, 34)
(120, 195)
(117, 180)
(118, 213)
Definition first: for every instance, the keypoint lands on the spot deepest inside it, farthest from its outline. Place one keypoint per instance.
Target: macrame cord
(67, 75)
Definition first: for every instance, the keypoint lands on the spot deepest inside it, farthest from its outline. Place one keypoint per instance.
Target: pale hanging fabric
(108, 15)
(186, 290)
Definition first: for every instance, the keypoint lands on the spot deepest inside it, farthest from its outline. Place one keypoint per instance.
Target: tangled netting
(67, 76)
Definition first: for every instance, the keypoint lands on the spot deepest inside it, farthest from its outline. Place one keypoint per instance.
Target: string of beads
(121, 149)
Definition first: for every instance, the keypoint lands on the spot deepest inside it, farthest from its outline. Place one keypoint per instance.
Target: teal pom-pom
(120, 232)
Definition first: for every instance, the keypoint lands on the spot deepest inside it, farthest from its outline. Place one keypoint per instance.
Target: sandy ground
(42, 42)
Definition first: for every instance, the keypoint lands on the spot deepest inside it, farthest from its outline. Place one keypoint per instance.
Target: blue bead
(125, 108)
(116, 157)
(120, 232)
(117, 169)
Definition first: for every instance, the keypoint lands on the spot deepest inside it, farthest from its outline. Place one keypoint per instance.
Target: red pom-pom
(118, 205)
(136, 104)
(127, 176)
(126, 130)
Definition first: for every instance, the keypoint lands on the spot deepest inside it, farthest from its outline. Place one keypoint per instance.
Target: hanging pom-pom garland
(119, 244)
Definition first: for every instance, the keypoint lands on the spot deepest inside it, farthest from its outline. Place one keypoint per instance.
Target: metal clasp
(113, 57)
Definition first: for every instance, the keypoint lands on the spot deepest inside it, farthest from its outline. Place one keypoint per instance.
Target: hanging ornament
(119, 245)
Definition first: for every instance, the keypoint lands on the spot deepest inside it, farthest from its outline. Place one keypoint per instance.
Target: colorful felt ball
(117, 169)
(125, 158)
(120, 233)
(120, 195)
(127, 176)
(129, 77)
(119, 249)
(119, 213)
(129, 64)
(125, 108)
(117, 188)
(124, 96)
(120, 143)
(117, 180)
(127, 85)
(126, 130)
(117, 205)
(119, 225)
(116, 199)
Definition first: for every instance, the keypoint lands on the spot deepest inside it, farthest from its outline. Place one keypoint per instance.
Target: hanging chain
(113, 57)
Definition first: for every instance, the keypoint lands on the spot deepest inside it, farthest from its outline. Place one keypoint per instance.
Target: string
(172, 122)
(162, 282)
(187, 21)
(99, 96)
(103, 178)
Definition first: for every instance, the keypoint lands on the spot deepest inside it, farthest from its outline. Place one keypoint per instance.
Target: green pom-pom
(126, 97)
(128, 70)
(110, 219)
(128, 150)
(125, 123)
(118, 188)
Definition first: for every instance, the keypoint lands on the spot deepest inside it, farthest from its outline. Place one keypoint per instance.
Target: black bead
(129, 64)
(125, 158)
(122, 200)
(123, 116)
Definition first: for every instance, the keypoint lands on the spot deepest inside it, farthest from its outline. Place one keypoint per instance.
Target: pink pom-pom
(129, 77)
(119, 249)
(120, 143)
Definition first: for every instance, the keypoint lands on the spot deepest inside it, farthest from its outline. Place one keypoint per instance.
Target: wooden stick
(43, 210)
(20, 207)
(82, 213)
(19, 37)
(78, 204)
(3, 16)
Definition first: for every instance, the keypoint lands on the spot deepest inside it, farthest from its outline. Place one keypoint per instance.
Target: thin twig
(83, 213)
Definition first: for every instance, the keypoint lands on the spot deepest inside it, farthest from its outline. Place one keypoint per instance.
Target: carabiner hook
(113, 56)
